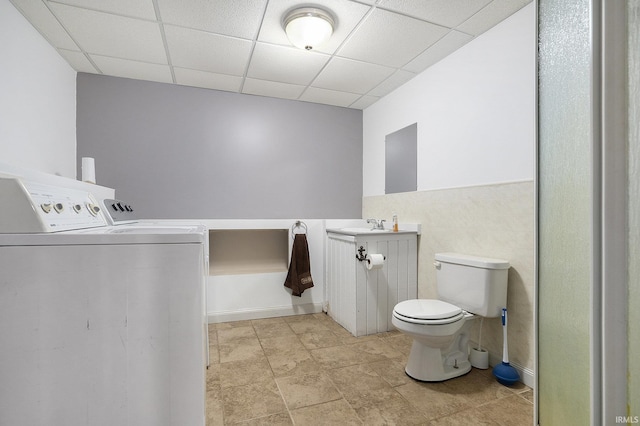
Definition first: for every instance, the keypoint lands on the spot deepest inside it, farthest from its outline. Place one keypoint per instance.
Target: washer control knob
(93, 209)
(58, 207)
(46, 207)
(77, 208)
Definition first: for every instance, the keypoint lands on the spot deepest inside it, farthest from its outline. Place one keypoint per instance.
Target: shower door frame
(609, 222)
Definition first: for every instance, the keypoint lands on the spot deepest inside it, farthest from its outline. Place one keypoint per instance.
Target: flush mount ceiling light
(308, 27)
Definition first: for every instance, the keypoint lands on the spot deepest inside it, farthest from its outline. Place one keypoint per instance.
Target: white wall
(474, 109)
(476, 148)
(37, 101)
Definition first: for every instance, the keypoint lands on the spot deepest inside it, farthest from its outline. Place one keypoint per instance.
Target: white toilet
(468, 286)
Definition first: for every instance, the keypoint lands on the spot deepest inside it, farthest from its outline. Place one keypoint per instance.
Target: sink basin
(364, 230)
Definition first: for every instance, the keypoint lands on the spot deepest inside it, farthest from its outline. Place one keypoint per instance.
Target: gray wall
(183, 152)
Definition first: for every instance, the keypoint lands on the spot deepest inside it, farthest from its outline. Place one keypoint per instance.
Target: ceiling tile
(137, 9)
(206, 51)
(272, 88)
(442, 48)
(351, 76)
(347, 15)
(390, 84)
(78, 61)
(378, 44)
(229, 83)
(44, 21)
(111, 35)
(329, 97)
(402, 40)
(237, 18)
(448, 13)
(285, 64)
(364, 102)
(495, 12)
(133, 69)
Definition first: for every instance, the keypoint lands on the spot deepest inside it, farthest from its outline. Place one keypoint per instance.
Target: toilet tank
(475, 284)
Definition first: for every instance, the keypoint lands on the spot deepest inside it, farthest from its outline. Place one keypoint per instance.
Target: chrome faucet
(377, 223)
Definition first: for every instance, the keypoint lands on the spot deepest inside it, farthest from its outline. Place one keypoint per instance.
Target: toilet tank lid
(477, 261)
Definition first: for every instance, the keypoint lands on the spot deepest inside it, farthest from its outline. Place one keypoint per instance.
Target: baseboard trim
(250, 314)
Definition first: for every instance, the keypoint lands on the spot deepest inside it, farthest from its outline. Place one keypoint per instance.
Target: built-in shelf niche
(248, 251)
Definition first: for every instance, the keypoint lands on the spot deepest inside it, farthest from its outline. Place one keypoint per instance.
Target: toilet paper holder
(361, 256)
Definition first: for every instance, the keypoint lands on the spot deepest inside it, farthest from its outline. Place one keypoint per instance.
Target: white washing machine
(99, 325)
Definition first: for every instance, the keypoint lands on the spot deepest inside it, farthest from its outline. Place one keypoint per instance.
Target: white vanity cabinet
(362, 300)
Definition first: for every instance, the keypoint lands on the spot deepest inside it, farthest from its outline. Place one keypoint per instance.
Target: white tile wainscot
(362, 300)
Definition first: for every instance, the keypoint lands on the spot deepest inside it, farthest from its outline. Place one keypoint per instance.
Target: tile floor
(308, 370)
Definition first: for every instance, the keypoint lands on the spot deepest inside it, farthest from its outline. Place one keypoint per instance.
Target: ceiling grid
(240, 45)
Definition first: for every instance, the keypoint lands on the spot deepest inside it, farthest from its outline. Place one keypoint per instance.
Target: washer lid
(427, 309)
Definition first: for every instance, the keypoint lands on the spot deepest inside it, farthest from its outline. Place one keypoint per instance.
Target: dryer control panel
(119, 212)
(29, 207)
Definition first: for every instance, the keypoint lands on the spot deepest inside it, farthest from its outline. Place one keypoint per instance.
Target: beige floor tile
(213, 375)
(528, 395)
(392, 371)
(214, 354)
(248, 402)
(511, 411)
(376, 348)
(293, 363)
(240, 349)
(263, 373)
(279, 345)
(311, 389)
(392, 410)
(273, 329)
(339, 356)
(434, 400)
(360, 385)
(400, 342)
(235, 333)
(238, 373)
(214, 408)
(315, 326)
(230, 324)
(213, 335)
(472, 416)
(280, 419)
(330, 414)
(336, 328)
(477, 388)
(319, 339)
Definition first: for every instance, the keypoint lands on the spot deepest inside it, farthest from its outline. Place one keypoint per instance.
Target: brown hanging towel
(299, 275)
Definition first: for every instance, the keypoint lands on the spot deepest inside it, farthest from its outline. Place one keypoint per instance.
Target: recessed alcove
(248, 251)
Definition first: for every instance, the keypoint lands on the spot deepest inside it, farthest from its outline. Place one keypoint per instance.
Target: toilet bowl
(468, 287)
(440, 338)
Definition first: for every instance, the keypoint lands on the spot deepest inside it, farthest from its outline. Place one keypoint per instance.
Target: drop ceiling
(240, 46)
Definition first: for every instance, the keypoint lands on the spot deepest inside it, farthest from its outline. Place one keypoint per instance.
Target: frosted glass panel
(564, 213)
(634, 207)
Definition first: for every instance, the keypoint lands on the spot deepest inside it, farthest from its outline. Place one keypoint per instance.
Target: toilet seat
(428, 311)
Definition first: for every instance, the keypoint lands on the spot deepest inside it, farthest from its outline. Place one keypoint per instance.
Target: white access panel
(102, 333)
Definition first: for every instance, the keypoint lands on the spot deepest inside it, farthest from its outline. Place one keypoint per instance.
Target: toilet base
(427, 364)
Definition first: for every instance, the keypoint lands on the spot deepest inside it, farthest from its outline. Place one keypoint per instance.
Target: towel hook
(298, 224)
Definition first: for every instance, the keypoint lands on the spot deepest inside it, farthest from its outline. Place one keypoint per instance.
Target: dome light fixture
(308, 27)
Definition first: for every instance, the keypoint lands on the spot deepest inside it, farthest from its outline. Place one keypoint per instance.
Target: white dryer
(99, 325)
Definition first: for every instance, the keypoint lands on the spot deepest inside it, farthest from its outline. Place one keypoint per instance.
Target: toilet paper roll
(375, 261)
(88, 170)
